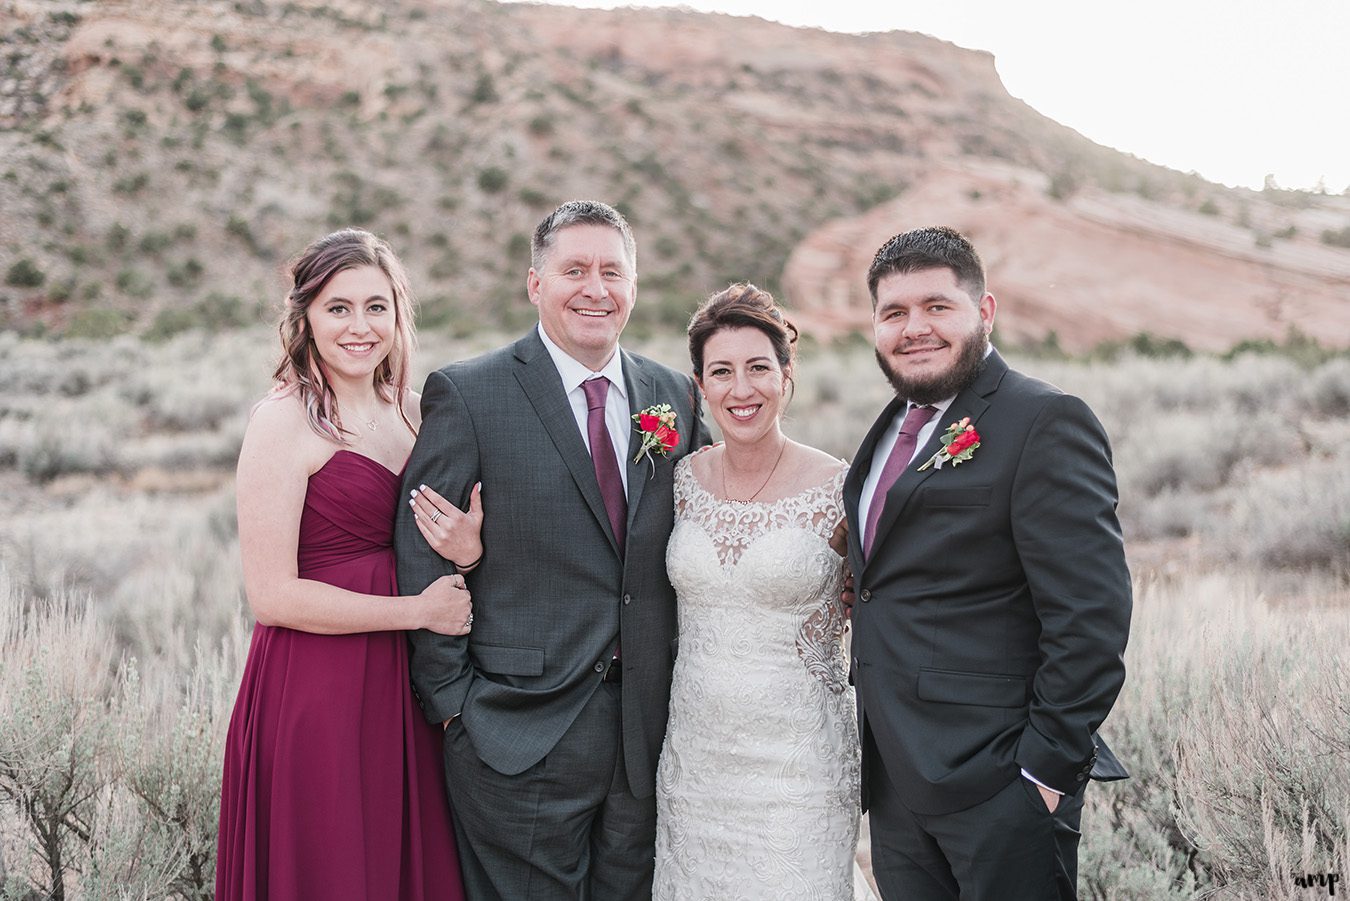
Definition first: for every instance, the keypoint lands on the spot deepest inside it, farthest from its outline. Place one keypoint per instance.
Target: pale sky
(1233, 89)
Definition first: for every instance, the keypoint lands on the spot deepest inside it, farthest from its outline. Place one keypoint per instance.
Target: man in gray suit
(555, 705)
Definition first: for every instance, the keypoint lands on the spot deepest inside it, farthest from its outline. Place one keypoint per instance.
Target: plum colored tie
(905, 443)
(602, 456)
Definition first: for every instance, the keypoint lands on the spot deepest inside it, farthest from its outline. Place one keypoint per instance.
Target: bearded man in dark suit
(992, 596)
(555, 704)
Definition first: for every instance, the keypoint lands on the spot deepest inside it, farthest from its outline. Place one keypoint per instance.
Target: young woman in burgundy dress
(333, 784)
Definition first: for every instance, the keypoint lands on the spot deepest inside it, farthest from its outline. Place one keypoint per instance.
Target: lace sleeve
(820, 639)
(827, 516)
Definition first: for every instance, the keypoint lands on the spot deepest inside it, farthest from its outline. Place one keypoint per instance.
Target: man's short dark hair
(935, 247)
(580, 212)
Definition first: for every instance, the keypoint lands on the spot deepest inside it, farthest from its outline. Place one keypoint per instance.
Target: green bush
(98, 324)
(185, 274)
(484, 91)
(541, 126)
(25, 274)
(133, 283)
(1337, 237)
(493, 179)
(131, 184)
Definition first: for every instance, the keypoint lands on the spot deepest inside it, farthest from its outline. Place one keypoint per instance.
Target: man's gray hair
(580, 212)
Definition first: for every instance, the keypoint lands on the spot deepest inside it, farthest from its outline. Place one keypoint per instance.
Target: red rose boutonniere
(958, 445)
(656, 424)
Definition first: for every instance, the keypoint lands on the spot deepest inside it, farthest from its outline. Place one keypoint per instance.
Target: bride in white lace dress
(757, 789)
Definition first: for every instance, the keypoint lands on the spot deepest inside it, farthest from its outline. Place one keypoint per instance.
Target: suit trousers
(567, 829)
(1009, 847)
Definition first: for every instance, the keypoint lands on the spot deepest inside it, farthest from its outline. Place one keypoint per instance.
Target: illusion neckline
(827, 484)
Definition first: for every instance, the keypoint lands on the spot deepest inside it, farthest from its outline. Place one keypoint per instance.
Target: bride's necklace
(762, 485)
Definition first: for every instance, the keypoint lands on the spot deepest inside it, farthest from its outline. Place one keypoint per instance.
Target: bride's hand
(839, 540)
(452, 533)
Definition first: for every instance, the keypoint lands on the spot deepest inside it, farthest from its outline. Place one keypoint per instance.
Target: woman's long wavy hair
(301, 371)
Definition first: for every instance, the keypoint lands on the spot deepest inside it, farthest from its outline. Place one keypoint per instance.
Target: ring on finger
(435, 516)
(468, 623)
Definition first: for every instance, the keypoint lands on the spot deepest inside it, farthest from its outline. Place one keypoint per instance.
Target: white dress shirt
(618, 418)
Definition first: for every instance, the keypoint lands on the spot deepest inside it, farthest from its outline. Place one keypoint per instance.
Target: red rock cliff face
(1094, 267)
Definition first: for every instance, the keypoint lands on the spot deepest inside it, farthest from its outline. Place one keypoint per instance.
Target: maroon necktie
(602, 455)
(905, 442)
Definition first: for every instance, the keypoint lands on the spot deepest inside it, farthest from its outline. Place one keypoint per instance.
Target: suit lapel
(539, 379)
(640, 396)
(972, 402)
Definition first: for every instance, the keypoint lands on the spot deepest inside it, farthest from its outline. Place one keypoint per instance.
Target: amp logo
(1312, 880)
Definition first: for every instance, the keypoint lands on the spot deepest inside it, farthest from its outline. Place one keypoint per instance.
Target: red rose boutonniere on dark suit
(657, 425)
(958, 445)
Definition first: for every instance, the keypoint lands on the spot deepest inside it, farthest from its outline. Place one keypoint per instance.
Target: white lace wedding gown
(757, 789)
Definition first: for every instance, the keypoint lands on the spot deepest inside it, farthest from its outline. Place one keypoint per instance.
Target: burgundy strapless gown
(333, 784)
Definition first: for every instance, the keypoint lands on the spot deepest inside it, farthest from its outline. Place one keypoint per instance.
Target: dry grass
(1232, 722)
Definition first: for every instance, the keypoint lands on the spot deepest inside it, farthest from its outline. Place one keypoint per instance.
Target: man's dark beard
(960, 376)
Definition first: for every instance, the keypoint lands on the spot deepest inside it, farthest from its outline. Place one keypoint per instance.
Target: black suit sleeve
(1067, 536)
(445, 458)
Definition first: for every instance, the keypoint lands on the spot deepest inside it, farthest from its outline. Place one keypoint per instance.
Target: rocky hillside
(160, 159)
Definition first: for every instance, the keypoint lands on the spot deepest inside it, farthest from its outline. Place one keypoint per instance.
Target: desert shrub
(541, 126)
(109, 773)
(1336, 237)
(25, 274)
(1263, 767)
(55, 697)
(131, 184)
(1194, 449)
(493, 179)
(46, 447)
(134, 283)
(484, 90)
(1145, 345)
(185, 274)
(1327, 390)
(1231, 722)
(117, 237)
(99, 324)
(1294, 520)
(89, 407)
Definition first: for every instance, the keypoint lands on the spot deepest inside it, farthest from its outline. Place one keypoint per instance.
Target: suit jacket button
(1081, 777)
(866, 595)
(627, 599)
(600, 667)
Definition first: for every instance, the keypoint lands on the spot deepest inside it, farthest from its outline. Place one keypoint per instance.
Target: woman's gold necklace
(762, 485)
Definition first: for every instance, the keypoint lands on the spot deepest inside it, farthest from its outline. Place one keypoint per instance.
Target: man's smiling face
(585, 290)
(930, 334)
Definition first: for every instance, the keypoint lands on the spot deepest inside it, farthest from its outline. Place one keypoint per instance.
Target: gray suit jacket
(553, 595)
(992, 616)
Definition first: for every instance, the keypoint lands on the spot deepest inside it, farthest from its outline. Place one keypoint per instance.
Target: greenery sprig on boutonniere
(958, 445)
(657, 426)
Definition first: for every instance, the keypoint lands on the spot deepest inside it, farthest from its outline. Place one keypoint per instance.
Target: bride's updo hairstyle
(741, 305)
(301, 370)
